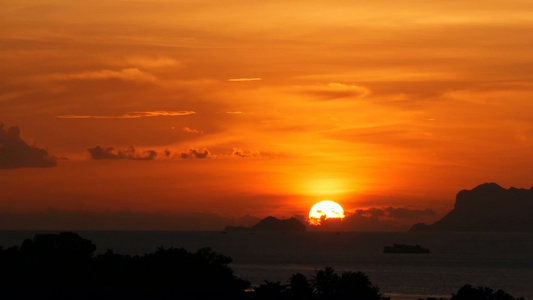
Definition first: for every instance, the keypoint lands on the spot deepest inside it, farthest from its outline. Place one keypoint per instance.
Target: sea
(495, 260)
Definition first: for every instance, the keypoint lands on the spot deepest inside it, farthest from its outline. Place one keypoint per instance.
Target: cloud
(234, 112)
(404, 135)
(333, 91)
(244, 79)
(55, 219)
(386, 218)
(128, 74)
(133, 115)
(130, 153)
(195, 153)
(405, 213)
(369, 213)
(16, 153)
(190, 130)
(152, 62)
(245, 153)
(393, 212)
(99, 152)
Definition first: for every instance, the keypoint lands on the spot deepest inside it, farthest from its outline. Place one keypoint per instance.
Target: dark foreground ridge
(63, 266)
(487, 207)
(272, 224)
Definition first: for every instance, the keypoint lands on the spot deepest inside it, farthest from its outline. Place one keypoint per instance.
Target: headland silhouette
(487, 207)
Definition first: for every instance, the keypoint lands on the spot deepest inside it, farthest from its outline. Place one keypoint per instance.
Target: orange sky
(264, 107)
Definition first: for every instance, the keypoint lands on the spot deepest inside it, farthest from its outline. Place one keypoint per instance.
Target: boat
(401, 248)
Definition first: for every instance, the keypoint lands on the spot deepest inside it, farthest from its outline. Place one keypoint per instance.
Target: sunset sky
(210, 111)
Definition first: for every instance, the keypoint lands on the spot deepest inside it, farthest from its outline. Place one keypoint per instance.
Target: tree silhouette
(63, 266)
(326, 283)
(481, 293)
(356, 285)
(270, 290)
(468, 292)
(299, 288)
(349, 285)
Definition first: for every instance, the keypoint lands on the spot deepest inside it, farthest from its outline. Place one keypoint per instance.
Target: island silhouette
(272, 224)
(487, 207)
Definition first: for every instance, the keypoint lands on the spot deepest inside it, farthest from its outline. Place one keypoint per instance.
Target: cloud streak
(128, 74)
(245, 79)
(99, 152)
(133, 115)
(191, 130)
(16, 153)
(150, 62)
(334, 91)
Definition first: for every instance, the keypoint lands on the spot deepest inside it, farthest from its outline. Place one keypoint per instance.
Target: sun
(325, 210)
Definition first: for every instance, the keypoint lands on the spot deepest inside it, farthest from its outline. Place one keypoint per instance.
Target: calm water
(497, 260)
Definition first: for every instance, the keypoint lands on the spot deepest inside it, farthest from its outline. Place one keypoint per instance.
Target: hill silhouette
(272, 224)
(487, 207)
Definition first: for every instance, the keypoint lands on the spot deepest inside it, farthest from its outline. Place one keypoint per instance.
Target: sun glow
(325, 210)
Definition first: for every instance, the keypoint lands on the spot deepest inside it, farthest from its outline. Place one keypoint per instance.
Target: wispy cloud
(151, 62)
(133, 115)
(245, 79)
(334, 90)
(128, 74)
(191, 130)
(234, 112)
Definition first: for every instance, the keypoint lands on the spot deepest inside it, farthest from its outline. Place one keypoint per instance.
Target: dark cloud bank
(130, 153)
(54, 219)
(16, 153)
(100, 152)
(377, 219)
(373, 219)
(195, 153)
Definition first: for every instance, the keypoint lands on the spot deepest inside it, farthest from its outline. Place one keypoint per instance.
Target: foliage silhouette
(64, 266)
(270, 290)
(481, 293)
(326, 284)
(468, 292)
(299, 288)
(356, 285)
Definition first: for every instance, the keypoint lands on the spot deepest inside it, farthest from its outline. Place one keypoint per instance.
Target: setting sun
(326, 210)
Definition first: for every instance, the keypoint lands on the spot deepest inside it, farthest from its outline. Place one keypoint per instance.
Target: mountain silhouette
(272, 224)
(487, 207)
